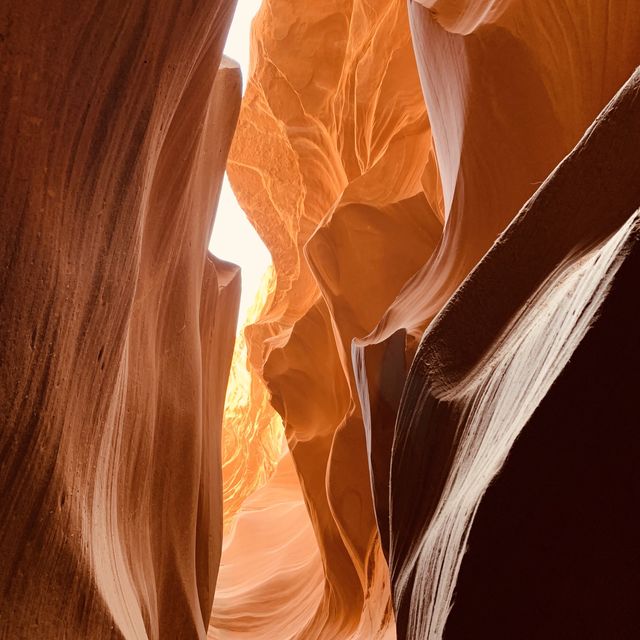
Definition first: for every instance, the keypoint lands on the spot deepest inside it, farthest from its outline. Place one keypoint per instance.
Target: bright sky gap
(233, 237)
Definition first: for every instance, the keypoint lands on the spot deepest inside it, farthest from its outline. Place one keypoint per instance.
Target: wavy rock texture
(334, 161)
(316, 168)
(272, 568)
(510, 87)
(116, 326)
(440, 392)
(493, 366)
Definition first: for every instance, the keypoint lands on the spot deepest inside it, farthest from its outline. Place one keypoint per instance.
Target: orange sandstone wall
(381, 150)
(517, 426)
(422, 370)
(330, 154)
(509, 87)
(252, 434)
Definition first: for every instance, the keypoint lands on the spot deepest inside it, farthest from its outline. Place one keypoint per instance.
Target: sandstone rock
(375, 214)
(495, 363)
(447, 334)
(116, 327)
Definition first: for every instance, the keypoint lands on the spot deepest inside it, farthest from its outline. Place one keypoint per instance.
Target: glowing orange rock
(313, 166)
(272, 569)
(374, 217)
(252, 435)
(381, 150)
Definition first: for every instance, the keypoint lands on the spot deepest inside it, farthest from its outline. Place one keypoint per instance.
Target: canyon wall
(436, 433)
(553, 552)
(331, 149)
(380, 158)
(116, 326)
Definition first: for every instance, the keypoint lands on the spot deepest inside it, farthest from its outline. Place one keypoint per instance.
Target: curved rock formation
(504, 107)
(444, 335)
(569, 262)
(116, 327)
(271, 579)
(252, 437)
(315, 168)
(335, 163)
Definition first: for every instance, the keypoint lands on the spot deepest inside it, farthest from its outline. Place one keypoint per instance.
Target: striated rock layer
(505, 106)
(445, 334)
(326, 179)
(553, 552)
(380, 157)
(271, 570)
(116, 326)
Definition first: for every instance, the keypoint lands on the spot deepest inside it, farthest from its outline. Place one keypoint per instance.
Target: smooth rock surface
(116, 326)
(435, 435)
(485, 372)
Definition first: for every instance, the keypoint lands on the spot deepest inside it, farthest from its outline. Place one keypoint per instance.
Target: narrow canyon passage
(334, 341)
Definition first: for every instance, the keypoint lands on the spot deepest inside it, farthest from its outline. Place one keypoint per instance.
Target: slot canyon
(426, 426)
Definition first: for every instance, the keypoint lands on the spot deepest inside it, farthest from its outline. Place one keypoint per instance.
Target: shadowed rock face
(116, 326)
(553, 549)
(447, 334)
(567, 262)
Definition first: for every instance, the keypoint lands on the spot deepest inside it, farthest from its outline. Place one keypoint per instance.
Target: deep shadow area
(554, 551)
